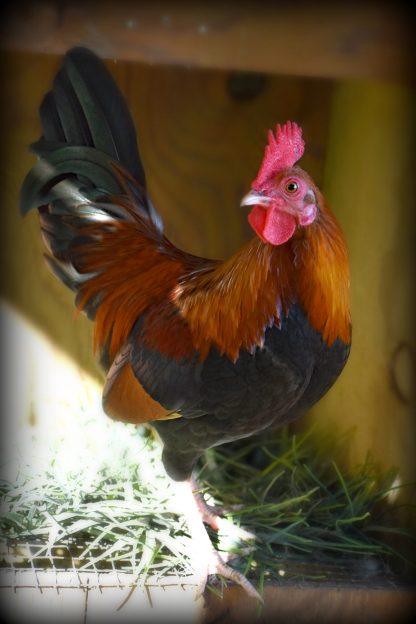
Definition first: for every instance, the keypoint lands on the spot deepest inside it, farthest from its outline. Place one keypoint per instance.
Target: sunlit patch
(53, 410)
(176, 292)
(231, 535)
(394, 490)
(209, 499)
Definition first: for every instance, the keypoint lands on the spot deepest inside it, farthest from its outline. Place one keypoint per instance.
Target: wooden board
(336, 40)
(314, 605)
(370, 160)
(47, 596)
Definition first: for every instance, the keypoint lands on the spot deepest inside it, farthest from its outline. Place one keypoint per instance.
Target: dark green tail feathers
(88, 157)
(87, 129)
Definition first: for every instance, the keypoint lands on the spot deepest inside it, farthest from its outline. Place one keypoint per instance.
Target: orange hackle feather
(232, 305)
(323, 284)
(196, 304)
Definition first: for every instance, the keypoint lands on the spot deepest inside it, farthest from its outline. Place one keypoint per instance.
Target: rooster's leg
(205, 558)
(212, 515)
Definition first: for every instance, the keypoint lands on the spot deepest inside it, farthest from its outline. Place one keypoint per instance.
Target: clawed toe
(218, 566)
(205, 558)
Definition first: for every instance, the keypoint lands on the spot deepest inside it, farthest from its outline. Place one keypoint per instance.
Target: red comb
(282, 151)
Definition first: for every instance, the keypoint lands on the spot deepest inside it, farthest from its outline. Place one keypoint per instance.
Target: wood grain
(313, 605)
(370, 160)
(47, 596)
(333, 40)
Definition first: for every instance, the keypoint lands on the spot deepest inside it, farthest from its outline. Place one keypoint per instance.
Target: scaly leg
(206, 558)
(212, 515)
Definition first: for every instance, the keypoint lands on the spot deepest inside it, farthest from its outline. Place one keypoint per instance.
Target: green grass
(311, 520)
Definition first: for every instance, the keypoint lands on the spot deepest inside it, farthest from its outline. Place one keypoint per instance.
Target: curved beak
(253, 198)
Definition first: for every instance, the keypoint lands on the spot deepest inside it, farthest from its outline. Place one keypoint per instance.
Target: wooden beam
(313, 604)
(57, 595)
(331, 40)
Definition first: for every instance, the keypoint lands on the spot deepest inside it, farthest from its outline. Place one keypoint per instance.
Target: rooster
(207, 351)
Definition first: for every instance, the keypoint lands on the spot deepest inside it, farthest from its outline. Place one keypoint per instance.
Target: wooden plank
(313, 605)
(336, 40)
(26, 597)
(86, 597)
(370, 158)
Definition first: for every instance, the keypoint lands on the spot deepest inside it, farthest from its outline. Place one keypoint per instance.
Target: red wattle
(272, 225)
(257, 219)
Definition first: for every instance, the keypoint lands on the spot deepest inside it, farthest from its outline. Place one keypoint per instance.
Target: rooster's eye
(291, 187)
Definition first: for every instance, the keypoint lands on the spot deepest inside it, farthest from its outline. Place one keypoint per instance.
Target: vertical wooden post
(370, 185)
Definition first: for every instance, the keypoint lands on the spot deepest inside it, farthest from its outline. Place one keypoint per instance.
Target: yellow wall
(369, 181)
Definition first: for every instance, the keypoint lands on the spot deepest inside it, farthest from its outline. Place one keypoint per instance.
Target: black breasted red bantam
(209, 351)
